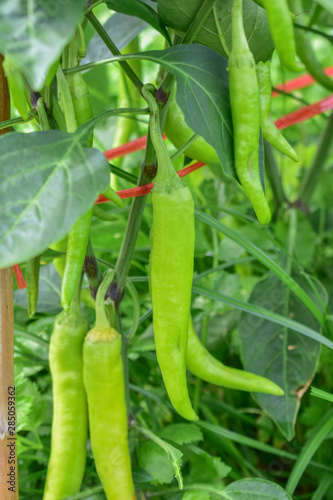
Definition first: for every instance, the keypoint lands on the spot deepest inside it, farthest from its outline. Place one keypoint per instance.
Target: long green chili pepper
(306, 52)
(171, 261)
(32, 279)
(245, 109)
(269, 130)
(204, 366)
(282, 31)
(17, 87)
(70, 417)
(78, 236)
(104, 383)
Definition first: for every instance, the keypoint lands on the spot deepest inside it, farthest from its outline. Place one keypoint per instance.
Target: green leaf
(122, 29)
(35, 33)
(318, 393)
(49, 292)
(264, 259)
(47, 181)
(196, 495)
(254, 489)
(178, 15)
(280, 354)
(155, 461)
(182, 433)
(202, 93)
(140, 10)
(167, 451)
(205, 468)
(266, 314)
(322, 431)
(326, 4)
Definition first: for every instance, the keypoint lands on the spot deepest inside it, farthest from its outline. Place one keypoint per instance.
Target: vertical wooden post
(8, 451)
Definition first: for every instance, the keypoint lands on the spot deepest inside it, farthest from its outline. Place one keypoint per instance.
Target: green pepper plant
(166, 207)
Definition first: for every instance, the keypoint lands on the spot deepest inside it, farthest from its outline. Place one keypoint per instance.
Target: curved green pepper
(204, 366)
(171, 265)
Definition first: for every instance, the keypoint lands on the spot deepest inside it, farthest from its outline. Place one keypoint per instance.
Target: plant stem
(114, 50)
(7, 435)
(147, 173)
(273, 176)
(312, 176)
(17, 121)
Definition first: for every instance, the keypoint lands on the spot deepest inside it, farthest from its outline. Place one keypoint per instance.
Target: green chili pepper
(79, 234)
(70, 419)
(17, 88)
(282, 31)
(104, 383)
(32, 279)
(78, 238)
(171, 257)
(306, 52)
(270, 132)
(204, 366)
(178, 132)
(245, 109)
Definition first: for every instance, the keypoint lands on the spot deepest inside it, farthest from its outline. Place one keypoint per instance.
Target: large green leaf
(202, 93)
(47, 181)
(254, 489)
(141, 10)
(178, 15)
(122, 29)
(279, 353)
(35, 32)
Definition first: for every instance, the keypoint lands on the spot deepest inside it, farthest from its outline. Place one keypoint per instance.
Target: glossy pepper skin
(245, 110)
(178, 132)
(282, 31)
(306, 52)
(171, 269)
(204, 366)
(70, 417)
(104, 383)
(269, 130)
(77, 242)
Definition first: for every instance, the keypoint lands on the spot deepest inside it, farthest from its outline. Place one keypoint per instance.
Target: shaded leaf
(155, 461)
(178, 15)
(123, 29)
(182, 433)
(49, 292)
(142, 11)
(279, 353)
(47, 181)
(202, 93)
(35, 33)
(254, 489)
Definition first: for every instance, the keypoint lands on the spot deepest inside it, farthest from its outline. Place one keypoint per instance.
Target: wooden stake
(8, 451)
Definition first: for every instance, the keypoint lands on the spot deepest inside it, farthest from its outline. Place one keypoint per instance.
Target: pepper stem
(165, 170)
(239, 41)
(102, 322)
